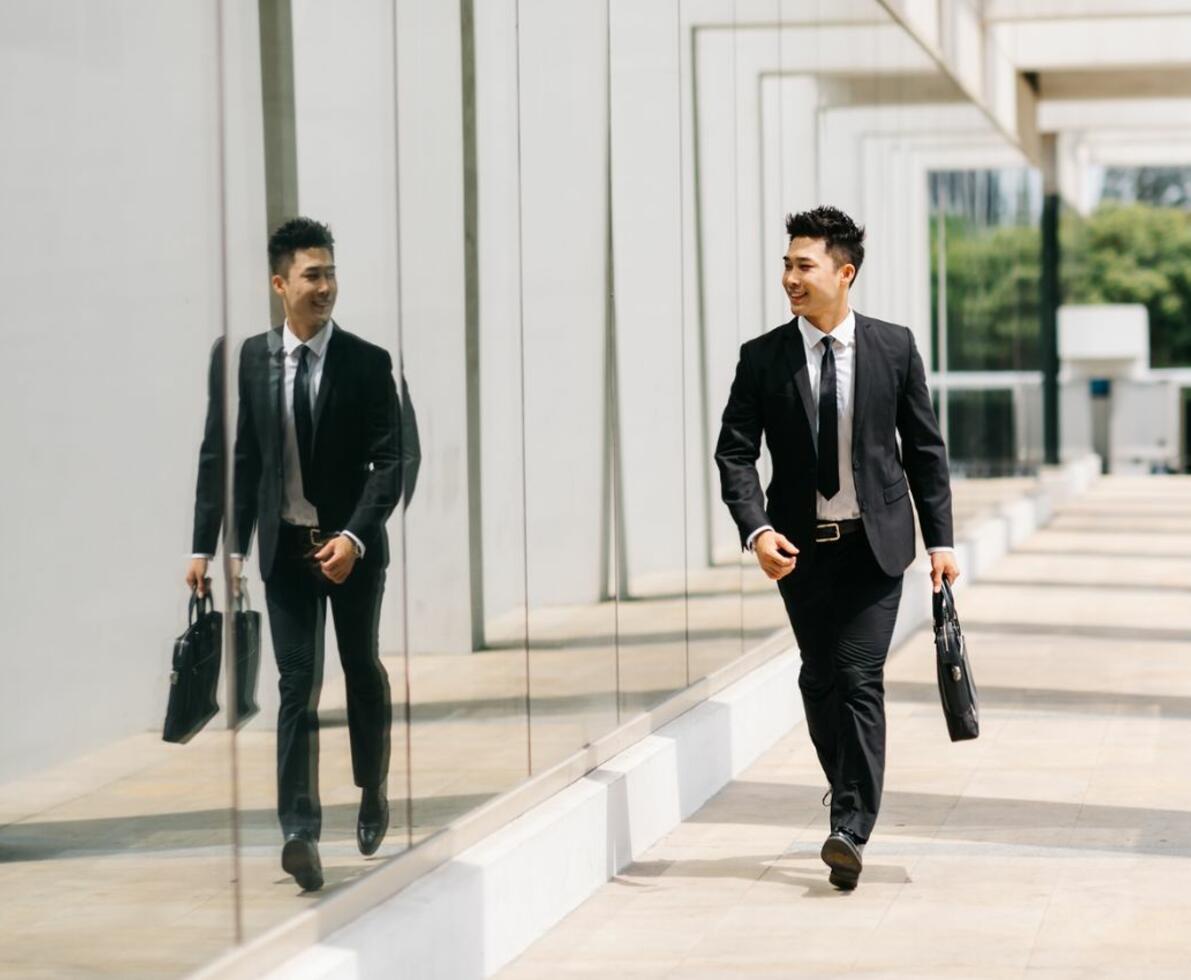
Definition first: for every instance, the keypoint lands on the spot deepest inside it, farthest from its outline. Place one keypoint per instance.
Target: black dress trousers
(843, 611)
(297, 602)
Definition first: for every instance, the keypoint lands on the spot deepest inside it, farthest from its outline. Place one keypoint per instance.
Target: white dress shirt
(295, 508)
(844, 506)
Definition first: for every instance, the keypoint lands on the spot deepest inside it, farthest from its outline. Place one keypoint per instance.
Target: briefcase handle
(201, 604)
(944, 607)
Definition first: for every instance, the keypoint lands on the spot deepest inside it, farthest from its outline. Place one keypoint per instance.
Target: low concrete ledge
(480, 910)
(475, 914)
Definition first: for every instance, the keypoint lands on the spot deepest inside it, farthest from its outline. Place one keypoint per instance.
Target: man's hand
(337, 558)
(942, 563)
(196, 576)
(769, 548)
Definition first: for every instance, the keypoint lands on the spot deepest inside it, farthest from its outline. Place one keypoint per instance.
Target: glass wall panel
(555, 223)
(646, 387)
(332, 673)
(712, 337)
(986, 249)
(765, 107)
(568, 361)
(461, 323)
(115, 846)
(992, 266)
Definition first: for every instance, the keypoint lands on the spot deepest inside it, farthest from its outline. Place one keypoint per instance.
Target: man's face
(812, 281)
(308, 290)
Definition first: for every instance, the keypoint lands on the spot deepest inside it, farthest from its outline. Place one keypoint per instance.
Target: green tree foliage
(992, 296)
(1137, 253)
(1122, 253)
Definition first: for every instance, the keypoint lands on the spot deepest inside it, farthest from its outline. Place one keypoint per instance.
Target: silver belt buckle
(823, 527)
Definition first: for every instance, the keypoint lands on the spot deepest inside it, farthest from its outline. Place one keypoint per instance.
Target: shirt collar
(317, 343)
(843, 335)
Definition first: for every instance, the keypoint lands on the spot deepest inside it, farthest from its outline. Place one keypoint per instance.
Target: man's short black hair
(842, 237)
(295, 234)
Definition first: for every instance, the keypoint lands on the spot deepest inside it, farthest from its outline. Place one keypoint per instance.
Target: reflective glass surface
(451, 469)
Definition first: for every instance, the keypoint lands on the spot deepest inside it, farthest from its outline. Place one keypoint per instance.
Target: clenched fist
(337, 558)
(775, 554)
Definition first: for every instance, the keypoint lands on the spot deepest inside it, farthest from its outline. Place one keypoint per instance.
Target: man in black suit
(831, 391)
(317, 472)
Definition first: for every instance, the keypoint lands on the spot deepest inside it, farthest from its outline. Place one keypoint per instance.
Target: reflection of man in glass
(318, 472)
(832, 390)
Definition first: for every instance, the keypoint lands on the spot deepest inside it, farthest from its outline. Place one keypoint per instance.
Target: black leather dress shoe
(842, 854)
(299, 857)
(374, 820)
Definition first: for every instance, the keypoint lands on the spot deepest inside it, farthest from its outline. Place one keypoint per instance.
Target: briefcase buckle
(825, 527)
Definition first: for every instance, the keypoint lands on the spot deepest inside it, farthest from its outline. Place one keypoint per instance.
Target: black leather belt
(828, 531)
(311, 537)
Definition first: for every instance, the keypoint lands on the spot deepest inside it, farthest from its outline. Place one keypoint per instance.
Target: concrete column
(1049, 300)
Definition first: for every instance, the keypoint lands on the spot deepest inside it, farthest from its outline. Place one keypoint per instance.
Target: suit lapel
(275, 381)
(796, 358)
(326, 386)
(859, 365)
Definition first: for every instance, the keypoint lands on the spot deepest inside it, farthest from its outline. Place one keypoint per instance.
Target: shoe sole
(295, 860)
(844, 862)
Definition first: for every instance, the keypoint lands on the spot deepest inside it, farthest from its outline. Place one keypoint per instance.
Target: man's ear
(278, 284)
(848, 271)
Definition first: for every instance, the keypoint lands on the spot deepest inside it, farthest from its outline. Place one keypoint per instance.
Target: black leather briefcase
(247, 623)
(957, 689)
(194, 679)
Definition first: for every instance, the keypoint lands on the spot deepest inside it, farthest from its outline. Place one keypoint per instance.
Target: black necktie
(303, 420)
(828, 473)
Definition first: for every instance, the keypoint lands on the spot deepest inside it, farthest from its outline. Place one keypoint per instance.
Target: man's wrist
(752, 538)
(357, 544)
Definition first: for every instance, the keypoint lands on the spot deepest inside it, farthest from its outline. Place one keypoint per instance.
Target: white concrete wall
(110, 266)
(1143, 426)
(1105, 340)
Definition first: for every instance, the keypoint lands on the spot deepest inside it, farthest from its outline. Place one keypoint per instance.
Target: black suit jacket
(771, 394)
(356, 395)
(208, 492)
(355, 461)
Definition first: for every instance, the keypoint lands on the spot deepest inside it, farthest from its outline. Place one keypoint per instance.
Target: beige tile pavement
(1058, 845)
